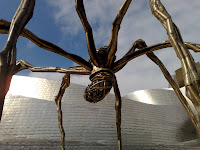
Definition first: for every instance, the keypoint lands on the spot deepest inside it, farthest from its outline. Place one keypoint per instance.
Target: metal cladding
(155, 96)
(30, 121)
(179, 75)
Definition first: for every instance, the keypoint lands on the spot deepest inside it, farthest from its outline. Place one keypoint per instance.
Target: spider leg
(5, 25)
(21, 65)
(118, 105)
(8, 54)
(191, 77)
(65, 83)
(88, 32)
(115, 29)
(193, 46)
(4, 28)
(131, 55)
(173, 84)
(135, 45)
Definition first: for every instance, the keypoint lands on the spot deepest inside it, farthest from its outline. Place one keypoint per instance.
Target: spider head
(102, 54)
(101, 84)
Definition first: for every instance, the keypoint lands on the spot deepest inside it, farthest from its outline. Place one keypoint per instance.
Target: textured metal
(8, 54)
(180, 77)
(30, 123)
(153, 96)
(189, 71)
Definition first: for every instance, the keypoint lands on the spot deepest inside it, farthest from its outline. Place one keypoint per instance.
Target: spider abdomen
(101, 84)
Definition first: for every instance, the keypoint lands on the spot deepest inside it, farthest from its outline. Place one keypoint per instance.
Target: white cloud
(140, 73)
(30, 44)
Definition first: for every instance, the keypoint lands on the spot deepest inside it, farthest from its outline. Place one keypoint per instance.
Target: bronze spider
(101, 66)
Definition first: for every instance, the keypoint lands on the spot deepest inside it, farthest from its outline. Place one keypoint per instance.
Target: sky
(58, 22)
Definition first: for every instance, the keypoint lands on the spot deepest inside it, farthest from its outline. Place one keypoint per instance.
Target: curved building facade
(30, 121)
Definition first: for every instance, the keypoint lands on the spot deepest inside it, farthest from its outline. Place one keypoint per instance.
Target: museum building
(151, 119)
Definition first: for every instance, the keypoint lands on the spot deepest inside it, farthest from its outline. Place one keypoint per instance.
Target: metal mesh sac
(100, 86)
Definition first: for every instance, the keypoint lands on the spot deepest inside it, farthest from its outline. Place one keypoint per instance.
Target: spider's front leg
(115, 29)
(21, 65)
(65, 83)
(191, 77)
(8, 54)
(118, 105)
(88, 32)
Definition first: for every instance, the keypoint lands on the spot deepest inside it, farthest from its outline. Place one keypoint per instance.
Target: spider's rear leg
(191, 77)
(118, 105)
(65, 83)
(173, 84)
(165, 72)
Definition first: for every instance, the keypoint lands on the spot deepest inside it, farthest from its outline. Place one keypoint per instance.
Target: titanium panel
(31, 123)
(155, 96)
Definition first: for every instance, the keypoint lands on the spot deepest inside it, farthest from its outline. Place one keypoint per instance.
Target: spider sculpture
(101, 67)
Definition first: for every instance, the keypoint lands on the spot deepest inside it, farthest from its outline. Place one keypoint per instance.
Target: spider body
(102, 54)
(101, 84)
(101, 78)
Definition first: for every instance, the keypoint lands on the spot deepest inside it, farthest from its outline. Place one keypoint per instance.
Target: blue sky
(58, 22)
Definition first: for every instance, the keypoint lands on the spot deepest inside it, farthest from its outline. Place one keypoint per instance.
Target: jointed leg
(21, 65)
(131, 54)
(5, 25)
(191, 77)
(65, 83)
(173, 84)
(8, 54)
(115, 29)
(88, 32)
(20, 19)
(136, 45)
(118, 105)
